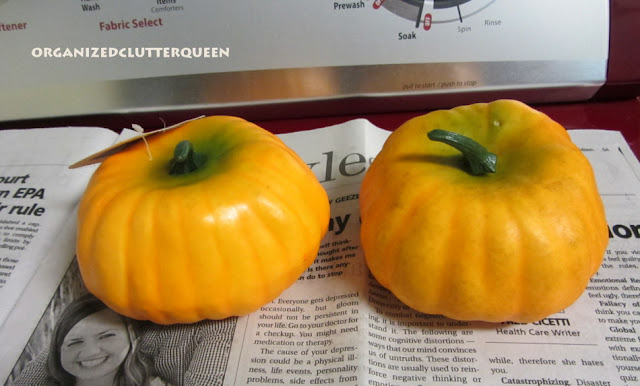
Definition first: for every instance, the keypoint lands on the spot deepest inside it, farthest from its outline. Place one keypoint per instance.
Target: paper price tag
(120, 146)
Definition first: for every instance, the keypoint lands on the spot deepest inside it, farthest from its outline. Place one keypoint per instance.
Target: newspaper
(38, 197)
(336, 324)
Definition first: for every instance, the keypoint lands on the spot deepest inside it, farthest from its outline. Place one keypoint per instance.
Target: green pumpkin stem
(185, 160)
(479, 159)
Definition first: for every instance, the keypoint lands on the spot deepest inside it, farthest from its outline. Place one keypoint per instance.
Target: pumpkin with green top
(483, 212)
(219, 222)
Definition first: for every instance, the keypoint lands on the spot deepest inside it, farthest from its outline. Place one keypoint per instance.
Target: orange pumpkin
(217, 226)
(515, 244)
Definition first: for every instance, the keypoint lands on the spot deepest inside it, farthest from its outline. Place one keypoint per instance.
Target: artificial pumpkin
(221, 220)
(505, 224)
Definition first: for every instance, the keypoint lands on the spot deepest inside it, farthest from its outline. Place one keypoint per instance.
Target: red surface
(624, 33)
(623, 116)
(619, 115)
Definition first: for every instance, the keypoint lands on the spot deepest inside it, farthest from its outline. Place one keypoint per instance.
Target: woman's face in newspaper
(96, 346)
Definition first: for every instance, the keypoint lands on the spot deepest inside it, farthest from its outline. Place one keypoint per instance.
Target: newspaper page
(38, 195)
(337, 325)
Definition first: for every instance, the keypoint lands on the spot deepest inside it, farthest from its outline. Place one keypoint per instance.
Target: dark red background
(618, 115)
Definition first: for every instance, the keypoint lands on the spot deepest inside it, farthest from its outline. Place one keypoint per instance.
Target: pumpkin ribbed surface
(220, 241)
(515, 245)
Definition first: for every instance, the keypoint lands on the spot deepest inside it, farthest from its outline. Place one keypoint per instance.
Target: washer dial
(429, 12)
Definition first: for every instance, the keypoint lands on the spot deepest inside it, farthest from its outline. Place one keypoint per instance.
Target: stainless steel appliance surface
(118, 57)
